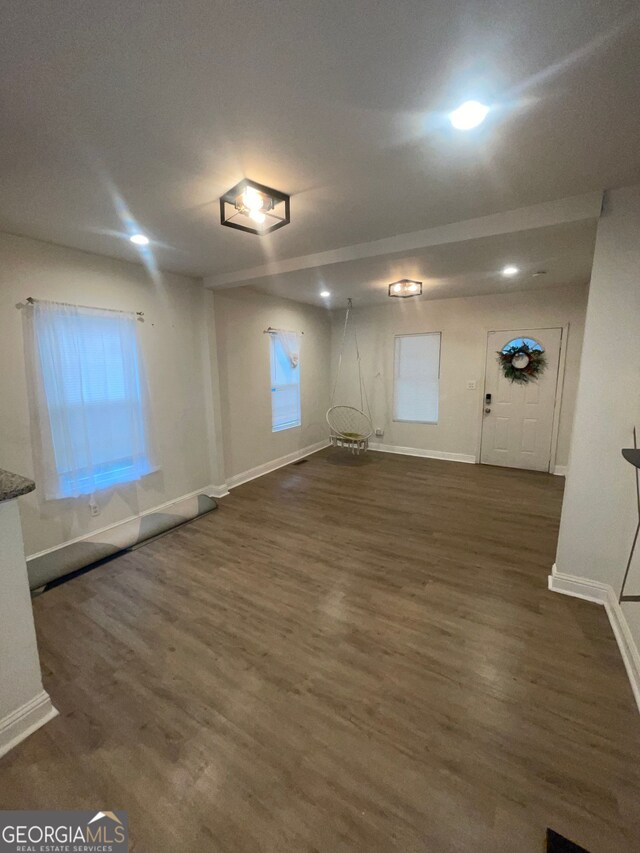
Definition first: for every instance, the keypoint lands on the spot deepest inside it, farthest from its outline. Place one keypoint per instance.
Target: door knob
(487, 411)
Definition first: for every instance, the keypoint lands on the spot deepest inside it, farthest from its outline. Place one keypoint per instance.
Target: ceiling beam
(571, 209)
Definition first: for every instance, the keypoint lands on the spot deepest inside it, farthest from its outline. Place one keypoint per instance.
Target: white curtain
(89, 399)
(291, 345)
(285, 380)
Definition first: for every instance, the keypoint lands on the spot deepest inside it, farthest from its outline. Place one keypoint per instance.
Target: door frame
(557, 402)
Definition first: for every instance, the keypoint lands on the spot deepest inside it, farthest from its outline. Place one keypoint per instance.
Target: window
(416, 378)
(285, 380)
(518, 342)
(89, 399)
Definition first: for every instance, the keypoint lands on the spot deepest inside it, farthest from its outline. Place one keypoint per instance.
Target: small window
(285, 381)
(518, 342)
(416, 384)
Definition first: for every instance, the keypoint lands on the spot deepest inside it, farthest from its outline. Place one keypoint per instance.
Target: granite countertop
(13, 485)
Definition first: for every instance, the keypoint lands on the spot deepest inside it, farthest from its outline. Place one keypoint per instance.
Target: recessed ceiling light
(325, 293)
(139, 239)
(468, 115)
(510, 270)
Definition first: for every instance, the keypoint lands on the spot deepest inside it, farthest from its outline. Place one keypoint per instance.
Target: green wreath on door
(521, 363)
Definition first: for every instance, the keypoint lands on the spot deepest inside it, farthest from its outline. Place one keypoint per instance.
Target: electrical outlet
(471, 385)
(379, 431)
(94, 509)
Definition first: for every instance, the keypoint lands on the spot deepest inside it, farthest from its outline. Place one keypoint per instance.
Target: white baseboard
(578, 587)
(216, 491)
(602, 593)
(260, 470)
(212, 491)
(418, 451)
(22, 722)
(560, 470)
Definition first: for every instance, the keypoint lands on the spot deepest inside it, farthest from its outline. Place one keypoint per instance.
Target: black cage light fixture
(254, 208)
(405, 287)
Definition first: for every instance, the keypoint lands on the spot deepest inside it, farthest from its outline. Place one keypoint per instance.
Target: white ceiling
(466, 268)
(126, 110)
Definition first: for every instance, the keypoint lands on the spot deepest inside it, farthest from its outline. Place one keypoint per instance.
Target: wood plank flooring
(350, 655)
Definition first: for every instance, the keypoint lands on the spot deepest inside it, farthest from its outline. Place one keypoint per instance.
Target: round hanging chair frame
(341, 430)
(349, 426)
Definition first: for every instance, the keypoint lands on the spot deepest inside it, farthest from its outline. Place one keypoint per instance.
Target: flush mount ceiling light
(139, 239)
(254, 208)
(325, 293)
(510, 270)
(405, 287)
(468, 115)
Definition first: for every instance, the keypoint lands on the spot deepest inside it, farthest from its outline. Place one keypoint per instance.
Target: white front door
(518, 418)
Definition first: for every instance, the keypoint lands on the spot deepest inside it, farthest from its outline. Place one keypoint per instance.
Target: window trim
(394, 419)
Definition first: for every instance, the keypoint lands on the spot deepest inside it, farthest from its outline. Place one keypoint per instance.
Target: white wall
(24, 705)
(241, 315)
(599, 513)
(173, 340)
(464, 324)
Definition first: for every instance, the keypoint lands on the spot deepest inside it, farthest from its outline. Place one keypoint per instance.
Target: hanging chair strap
(364, 400)
(344, 338)
(363, 389)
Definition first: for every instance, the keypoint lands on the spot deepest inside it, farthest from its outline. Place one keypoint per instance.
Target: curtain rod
(32, 301)
(271, 330)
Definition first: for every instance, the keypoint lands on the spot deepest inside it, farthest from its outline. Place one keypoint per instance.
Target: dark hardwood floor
(350, 655)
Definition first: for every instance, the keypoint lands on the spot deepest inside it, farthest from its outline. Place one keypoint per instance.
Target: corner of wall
(211, 373)
(603, 594)
(26, 720)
